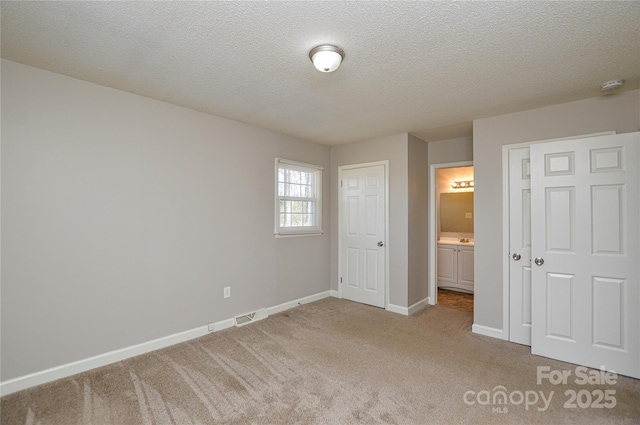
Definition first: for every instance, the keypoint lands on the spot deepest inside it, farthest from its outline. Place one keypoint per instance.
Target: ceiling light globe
(326, 58)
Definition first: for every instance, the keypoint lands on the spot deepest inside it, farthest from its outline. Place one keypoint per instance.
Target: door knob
(380, 243)
(539, 261)
(517, 256)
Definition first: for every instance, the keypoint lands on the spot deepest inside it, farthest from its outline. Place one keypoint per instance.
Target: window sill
(298, 234)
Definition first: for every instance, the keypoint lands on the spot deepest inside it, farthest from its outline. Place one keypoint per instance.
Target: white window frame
(316, 229)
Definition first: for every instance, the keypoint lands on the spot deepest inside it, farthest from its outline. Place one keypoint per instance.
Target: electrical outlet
(227, 291)
(211, 327)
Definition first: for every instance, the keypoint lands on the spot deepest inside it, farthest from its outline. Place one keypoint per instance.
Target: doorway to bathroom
(451, 235)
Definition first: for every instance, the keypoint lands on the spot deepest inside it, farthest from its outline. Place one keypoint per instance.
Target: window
(298, 198)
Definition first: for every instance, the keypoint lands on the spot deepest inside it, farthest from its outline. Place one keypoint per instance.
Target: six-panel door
(520, 246)
(362, 235)
(585, 238)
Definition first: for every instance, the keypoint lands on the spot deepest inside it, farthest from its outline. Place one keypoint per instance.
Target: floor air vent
(245, 319)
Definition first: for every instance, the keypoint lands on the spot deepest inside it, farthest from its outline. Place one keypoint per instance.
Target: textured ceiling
(428, 68)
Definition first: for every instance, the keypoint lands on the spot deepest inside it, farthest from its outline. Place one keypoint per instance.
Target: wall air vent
(245, 319)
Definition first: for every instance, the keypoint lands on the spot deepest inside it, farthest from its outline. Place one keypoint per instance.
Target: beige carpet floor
(328, 362)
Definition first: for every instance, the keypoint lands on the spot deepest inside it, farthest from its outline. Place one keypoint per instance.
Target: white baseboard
(398, 309)
(333, 293)
(27, 381)
(407, 311)
(224, 324)
(296, 303)
(59, 372)
(418, 306)
(486, 331)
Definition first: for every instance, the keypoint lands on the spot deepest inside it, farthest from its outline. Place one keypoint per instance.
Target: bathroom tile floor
(455, 299)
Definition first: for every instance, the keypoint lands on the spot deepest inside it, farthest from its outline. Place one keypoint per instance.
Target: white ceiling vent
(245, 319)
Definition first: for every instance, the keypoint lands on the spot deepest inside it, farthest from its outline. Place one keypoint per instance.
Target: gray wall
(394, 149)
(620, 112)
(123, 218)
(418, 220)
(453, 150)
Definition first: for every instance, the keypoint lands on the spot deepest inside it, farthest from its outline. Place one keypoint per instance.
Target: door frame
(506, 307)
(432, 292)
(341, 168)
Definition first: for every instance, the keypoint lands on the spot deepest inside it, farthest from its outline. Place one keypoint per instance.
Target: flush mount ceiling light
(326, 58)
(612, 85)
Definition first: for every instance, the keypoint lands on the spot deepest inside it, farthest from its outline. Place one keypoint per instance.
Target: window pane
(296, 196)
(296, 214)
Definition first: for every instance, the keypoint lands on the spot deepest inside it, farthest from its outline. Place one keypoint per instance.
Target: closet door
(362, 223)
(585, 244)
(520, 246)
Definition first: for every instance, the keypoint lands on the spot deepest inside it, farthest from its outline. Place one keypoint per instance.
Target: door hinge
(340, 280)
(340, 183)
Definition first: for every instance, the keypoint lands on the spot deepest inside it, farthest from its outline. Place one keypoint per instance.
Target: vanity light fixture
(463, 184)
(326, 58)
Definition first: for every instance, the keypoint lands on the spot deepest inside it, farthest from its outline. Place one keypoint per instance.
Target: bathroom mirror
(456, 212)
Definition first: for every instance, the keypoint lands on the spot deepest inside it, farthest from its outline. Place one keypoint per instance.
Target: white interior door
(584, 226)
(520, 246)
(362, 235)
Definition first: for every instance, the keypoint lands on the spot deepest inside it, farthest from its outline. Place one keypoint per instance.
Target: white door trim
(432, 294)
(506, 217)
(341, 168)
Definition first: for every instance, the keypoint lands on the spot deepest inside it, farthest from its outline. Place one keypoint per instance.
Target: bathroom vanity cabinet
(455, 266)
